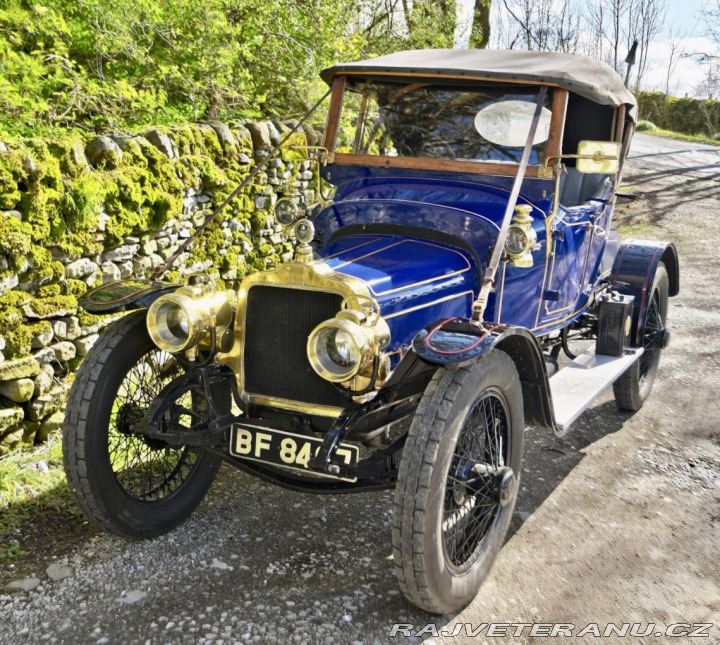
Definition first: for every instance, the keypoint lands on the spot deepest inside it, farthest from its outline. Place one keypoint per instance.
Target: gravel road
(616, 523)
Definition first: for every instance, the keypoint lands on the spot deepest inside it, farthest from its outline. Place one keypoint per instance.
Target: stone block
(43, 381)
(83, 345)
(20, 368)
(162, 141)
(110, 272)
(49, 403)
(49, 425)
(126, 269)
(9, 418)
(64, 351)
(42, 339)
(102, 150)
(120, 253)
(44, 356)
(18, 390)
(260, 135)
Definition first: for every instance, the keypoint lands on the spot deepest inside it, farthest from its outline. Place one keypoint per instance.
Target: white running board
(575, 387)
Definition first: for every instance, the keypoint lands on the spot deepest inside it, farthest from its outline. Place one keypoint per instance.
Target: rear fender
(458, 341)
(127, 294)
(634, 270)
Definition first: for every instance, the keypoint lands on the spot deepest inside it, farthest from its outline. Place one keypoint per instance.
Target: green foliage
(645, 126)
(685, 115)
(130, 63)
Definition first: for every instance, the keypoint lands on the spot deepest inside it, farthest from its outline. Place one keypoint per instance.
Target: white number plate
(285, 449)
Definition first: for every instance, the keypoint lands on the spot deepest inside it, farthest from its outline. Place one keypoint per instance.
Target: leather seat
(576, 187)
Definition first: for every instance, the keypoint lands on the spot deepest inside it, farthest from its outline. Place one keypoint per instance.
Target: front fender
(458, 340)
(132, 294)
(634, 270)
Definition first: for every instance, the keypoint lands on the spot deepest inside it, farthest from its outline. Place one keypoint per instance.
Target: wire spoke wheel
(147, 470)
(130, 484)
(458, 482)
(653, 338)
(471, 502)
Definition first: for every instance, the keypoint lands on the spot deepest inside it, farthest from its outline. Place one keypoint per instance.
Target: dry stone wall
(77, 211)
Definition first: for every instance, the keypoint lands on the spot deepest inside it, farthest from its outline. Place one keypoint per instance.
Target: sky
(683, 18)
(682, 25)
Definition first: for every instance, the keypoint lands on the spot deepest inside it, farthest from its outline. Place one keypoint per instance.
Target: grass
(38, 515)
(669, 134)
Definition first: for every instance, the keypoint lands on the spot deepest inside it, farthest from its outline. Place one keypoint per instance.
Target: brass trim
(315, 276)
(295, 406)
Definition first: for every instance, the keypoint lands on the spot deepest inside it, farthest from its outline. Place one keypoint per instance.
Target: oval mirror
(507, 123)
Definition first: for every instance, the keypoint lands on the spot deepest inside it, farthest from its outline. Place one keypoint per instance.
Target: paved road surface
(616, 523)
(648, 151)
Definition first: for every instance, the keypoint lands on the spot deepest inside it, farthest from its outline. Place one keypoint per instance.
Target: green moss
(49, 290)
(74, 287)
(46, 307)
(10, 318)
(70, 151)
(17, 343)
(258, 222)
(14, 299)
(86, 197)
(88, 320)
(15, 241)
(212, 144)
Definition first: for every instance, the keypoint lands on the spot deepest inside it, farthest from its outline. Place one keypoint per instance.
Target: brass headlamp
(184, 319)
(340, 348)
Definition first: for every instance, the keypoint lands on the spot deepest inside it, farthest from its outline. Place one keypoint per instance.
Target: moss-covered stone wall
(77, 211)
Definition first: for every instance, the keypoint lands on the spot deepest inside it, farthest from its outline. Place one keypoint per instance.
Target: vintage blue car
(464, 276)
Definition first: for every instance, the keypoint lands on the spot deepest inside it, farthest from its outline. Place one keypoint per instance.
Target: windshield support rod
(245, 182)
(488, 282)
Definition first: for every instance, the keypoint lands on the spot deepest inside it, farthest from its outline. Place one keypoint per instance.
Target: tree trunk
(480, 34)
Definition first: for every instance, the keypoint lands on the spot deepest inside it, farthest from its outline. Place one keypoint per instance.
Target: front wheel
(128, 484)
(458, 482)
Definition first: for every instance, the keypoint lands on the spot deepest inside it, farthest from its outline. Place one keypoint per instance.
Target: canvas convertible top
(585, 76)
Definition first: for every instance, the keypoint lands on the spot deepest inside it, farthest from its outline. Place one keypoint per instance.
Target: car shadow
(548, 460)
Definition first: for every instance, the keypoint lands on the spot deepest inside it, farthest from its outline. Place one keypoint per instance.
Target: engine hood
(415, 281)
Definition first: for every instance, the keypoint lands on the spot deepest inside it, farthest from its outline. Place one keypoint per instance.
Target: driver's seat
(576, 187)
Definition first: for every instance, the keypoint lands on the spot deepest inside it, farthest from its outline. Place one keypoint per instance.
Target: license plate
(286, 449)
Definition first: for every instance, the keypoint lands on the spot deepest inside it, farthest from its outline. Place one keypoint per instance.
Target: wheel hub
(505, 485)
(485, 480)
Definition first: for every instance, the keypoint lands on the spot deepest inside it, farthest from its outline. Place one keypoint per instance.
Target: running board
(575, 387)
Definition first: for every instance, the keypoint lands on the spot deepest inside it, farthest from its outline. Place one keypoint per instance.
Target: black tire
(634, 386)
(440, 569)
(123, 483)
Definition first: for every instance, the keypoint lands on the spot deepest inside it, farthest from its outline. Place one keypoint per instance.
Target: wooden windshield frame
(553, 145)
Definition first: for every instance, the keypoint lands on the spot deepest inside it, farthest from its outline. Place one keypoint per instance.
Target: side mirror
(601, 157)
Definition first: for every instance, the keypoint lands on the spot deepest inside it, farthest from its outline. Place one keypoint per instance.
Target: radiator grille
(277, 325)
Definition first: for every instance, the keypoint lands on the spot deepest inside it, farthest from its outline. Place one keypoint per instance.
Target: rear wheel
(458, 482)
(128, 484)
(634, 386)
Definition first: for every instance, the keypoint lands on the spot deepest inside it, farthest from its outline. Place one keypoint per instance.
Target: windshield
(447, 122)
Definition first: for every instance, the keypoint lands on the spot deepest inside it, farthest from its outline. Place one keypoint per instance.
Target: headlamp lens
(340, 348)
(516, 241)
(172, 325)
